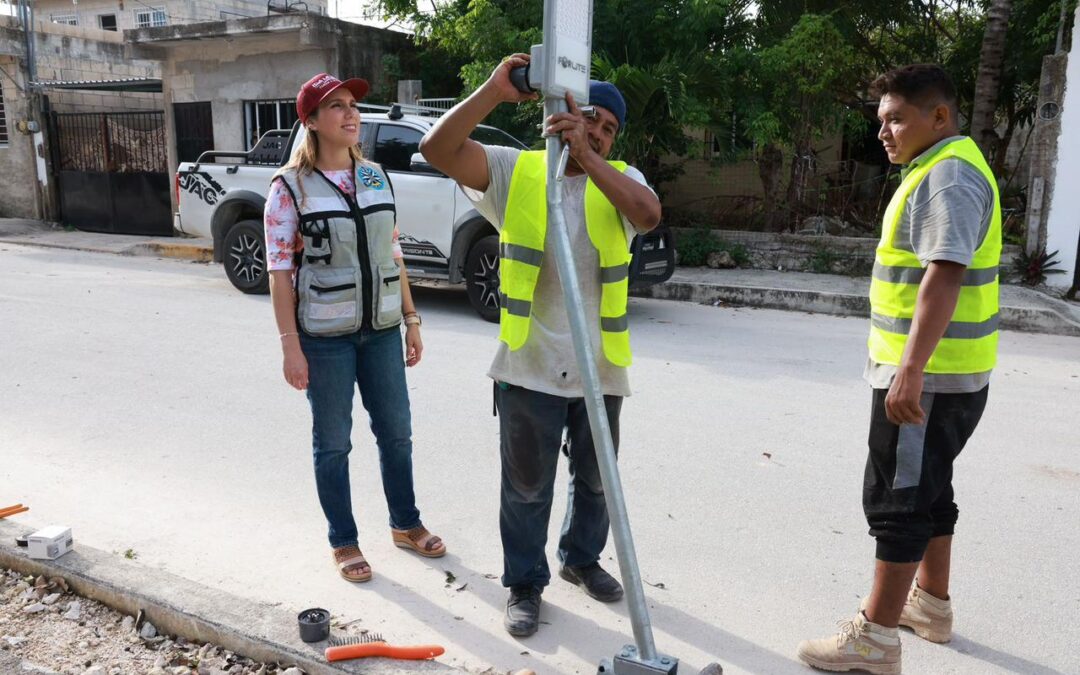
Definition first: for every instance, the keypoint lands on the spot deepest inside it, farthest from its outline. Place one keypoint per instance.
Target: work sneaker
(860, 645)
(522, 616)
(930, 617)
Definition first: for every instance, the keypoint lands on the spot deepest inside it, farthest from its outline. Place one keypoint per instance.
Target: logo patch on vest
(371, 178)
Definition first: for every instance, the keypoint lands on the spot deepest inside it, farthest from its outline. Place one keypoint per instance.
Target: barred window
(3, 117)
(267, 115)
(68, 19)
(151, 17)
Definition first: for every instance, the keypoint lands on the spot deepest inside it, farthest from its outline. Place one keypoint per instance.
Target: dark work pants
(907, 488)
(531, 426)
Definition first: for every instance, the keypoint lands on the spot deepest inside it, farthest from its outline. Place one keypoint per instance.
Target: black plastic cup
(519, 77)
(314, 624)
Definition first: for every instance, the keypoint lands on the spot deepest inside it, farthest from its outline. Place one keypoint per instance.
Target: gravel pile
(45, 628)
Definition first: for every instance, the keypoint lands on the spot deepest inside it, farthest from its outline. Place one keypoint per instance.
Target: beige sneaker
(860, 645)
(930, 617)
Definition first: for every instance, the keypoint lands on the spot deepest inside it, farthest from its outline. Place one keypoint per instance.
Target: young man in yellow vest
(933, 343)
(539, 391)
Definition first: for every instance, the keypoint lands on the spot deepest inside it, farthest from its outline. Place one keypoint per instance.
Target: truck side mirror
(417, 164)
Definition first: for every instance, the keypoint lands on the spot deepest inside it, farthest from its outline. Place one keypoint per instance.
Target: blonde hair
(303, 160)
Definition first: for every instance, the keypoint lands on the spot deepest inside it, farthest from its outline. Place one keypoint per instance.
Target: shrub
(1032, 269)
(695, 246)
(824, 261)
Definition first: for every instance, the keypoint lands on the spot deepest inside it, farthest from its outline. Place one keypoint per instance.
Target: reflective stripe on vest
(969, 344)
(521, 252)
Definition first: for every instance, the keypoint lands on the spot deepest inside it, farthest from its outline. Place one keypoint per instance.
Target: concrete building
(220, 83)
(240, 78)
(121, 15)
(65, 56)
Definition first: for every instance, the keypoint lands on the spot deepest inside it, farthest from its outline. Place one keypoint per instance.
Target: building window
(721, 143)
(107, 21)
(3, 118)
(68, 19)
(263, 116)
(151, 17)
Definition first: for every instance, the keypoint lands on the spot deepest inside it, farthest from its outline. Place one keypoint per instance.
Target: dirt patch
(1058, 472)
(45, 628)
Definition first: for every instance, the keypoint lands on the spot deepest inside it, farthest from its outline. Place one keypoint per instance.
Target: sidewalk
(1022, 308)
(49, 235)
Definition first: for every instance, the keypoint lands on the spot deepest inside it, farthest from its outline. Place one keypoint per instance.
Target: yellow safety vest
(970, 341)
(521, 250)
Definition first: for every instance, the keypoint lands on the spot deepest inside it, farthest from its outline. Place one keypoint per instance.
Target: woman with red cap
(340, 294)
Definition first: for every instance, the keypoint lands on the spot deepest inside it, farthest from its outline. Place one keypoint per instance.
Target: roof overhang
(126, 84)
(185, 34)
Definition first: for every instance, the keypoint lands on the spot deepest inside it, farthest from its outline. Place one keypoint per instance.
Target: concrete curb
(63, 246)
(177, 606)
(179, 250)
(1044, 315)
(1051, 316)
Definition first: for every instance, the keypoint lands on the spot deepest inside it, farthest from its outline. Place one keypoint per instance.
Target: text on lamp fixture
(571, 64)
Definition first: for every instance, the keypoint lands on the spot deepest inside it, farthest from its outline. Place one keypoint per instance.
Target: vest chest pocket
(345, 240)
(317, 247)
(388, 295)
(329, 301)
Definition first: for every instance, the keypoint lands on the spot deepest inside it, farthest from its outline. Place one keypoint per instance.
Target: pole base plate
(629, 662)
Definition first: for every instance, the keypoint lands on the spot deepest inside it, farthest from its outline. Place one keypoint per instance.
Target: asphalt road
(141, 403)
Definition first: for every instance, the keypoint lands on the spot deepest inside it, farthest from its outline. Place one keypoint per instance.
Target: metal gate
(111, 171)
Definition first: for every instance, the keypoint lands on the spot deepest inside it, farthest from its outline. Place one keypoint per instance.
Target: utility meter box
(49, 543)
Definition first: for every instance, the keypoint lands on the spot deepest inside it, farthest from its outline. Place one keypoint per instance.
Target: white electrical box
(49, 543)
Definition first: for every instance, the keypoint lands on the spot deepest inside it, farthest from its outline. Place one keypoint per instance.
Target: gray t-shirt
(546, 362)
(946, 217)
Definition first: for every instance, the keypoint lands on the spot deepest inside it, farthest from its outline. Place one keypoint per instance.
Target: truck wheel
(482, 277)
(245, 257)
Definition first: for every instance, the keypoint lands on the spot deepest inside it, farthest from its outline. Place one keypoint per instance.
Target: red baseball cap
(322, 85)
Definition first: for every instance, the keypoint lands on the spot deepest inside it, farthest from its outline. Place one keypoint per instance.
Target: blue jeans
(374, 361)
(531, 426)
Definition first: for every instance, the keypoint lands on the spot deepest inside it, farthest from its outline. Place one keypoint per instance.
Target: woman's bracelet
(285, 335)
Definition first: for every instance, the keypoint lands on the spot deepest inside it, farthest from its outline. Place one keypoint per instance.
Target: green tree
(667, 57)
(784, 73)
(988, 81)
(802, 87)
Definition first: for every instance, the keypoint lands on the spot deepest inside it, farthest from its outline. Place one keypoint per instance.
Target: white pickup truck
(222, 194)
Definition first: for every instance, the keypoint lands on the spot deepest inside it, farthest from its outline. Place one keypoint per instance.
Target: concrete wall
(18, 176)
(176, 11)
(1063, 221)
(228, 63)
(229, 73)
(66, 53)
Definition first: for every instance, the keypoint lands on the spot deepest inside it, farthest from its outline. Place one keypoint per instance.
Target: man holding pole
(539, 391)
(933, 343)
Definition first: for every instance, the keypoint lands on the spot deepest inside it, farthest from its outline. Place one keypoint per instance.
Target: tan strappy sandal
(348, 557)
(419, 540)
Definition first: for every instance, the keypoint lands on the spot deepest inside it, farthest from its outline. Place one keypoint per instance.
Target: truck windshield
(493, 136)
